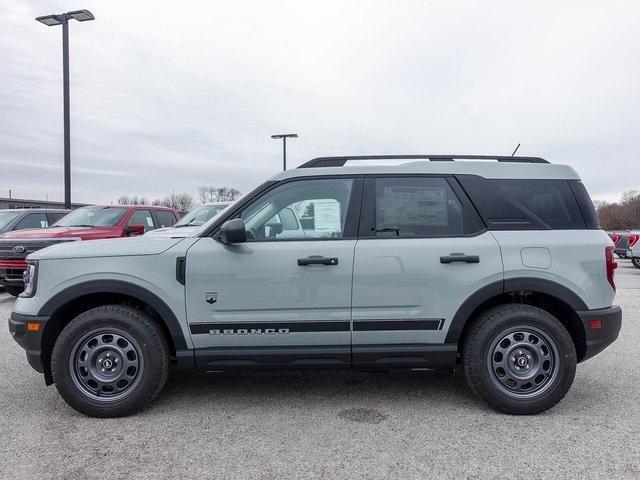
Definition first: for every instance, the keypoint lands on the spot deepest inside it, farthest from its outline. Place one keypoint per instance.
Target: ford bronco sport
(86, 223)
(498, 267)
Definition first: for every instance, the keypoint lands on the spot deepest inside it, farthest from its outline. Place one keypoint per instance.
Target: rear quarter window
(523, 204)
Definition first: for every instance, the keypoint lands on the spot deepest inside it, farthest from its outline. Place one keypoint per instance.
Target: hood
(171, 232)
(65, 232)
(117, 247)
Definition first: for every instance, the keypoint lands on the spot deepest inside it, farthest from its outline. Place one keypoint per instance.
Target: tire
(636, 262)
(514, 338)
(124, 340)
(13, 290)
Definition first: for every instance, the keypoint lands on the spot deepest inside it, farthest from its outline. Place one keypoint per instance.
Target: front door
(283, 298)
(422, 252)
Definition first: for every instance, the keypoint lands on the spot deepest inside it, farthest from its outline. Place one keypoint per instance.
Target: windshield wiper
(82, 225)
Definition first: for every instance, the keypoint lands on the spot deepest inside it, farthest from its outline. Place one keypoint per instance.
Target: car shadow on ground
(272, 388)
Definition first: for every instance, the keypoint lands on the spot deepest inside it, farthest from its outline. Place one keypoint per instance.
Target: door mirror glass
(232, 231)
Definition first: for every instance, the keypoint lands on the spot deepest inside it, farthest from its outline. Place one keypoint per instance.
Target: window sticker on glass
(413, 206)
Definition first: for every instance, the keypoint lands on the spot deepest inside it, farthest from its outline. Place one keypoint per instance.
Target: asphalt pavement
(329, 424)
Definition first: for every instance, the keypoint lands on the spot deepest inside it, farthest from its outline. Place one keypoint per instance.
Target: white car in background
(191, 221)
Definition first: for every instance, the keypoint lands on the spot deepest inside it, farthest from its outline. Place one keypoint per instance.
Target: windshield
(198, 216)
(92, 217)
(6, 217)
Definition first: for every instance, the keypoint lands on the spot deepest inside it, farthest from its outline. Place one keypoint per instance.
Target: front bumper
(12, 276)
(26, 330)
(601, 327)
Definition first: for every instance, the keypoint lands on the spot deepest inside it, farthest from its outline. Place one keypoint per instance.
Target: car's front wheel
(519, 358)
(110, 361)
(636, 262)
(13, 290)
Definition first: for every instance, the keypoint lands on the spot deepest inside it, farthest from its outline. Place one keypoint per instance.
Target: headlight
(30, 280)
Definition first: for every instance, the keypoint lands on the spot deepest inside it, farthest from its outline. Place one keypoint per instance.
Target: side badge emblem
(211, 297)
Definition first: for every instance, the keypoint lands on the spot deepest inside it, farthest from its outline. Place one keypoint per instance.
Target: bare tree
(209, 193)
(622, 215)
(183, 202)
(131, 200)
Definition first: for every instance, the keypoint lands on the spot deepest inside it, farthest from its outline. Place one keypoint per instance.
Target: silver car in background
(191, 221)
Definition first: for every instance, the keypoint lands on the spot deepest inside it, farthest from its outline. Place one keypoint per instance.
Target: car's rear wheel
(519, 358)
(13, 290)
(110, 361)
(636, 262)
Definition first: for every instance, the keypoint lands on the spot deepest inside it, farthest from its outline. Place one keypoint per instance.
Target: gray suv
(495, 265)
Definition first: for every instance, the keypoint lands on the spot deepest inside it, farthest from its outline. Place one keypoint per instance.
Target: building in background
(22, 203)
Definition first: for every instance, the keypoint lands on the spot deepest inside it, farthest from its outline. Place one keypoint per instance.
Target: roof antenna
(514, 152)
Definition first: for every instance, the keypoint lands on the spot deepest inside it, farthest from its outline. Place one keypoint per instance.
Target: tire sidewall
(133, 323)
(480, 377)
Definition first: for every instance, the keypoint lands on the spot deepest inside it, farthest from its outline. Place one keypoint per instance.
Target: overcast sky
(171, 95)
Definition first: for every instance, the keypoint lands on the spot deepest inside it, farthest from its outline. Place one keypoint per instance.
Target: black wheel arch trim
(120, 288)
(530, 284)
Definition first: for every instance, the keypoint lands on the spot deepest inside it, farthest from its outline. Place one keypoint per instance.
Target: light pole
(50, 21)
(284, 137)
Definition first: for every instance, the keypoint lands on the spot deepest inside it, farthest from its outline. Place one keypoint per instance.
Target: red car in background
(96, 222)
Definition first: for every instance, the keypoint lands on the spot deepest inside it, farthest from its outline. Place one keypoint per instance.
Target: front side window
(142, 217)
(33, 220)
(300, 210)
(416, 207)
(93, 217)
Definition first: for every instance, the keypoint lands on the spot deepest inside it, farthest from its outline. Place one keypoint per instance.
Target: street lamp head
(50, 20)
(79, 15)
(285, 135)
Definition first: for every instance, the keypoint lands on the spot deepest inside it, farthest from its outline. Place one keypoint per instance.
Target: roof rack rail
(340, 161)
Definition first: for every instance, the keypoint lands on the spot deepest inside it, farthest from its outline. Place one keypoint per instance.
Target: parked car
(21, 219)
(499, 267)
(623, 243)
(191, 221)
(634, 249)
(86, 223)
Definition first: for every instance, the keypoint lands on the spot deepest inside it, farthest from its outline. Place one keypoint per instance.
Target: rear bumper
(601, 327)
(26, 330)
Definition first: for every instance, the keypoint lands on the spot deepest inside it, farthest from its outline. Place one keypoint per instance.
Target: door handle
(460, 257)
(317, 260)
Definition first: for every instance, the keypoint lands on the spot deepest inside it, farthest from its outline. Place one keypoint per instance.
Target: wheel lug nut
(99, 360)
(102, 369)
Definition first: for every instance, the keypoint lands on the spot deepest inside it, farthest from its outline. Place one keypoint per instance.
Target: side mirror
(232, 231)
(134, 229)
(272, 229)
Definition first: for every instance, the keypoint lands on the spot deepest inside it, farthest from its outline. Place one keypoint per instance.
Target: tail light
(615, 238)
(633, 239)
(611, 265)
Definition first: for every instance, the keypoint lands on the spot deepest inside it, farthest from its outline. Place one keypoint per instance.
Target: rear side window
(519, 204)
(165, 218)
(416, 207)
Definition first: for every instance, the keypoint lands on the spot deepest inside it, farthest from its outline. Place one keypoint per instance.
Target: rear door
(422, 251)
